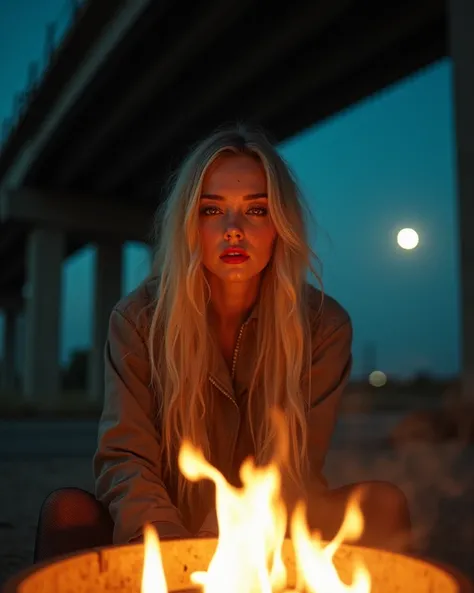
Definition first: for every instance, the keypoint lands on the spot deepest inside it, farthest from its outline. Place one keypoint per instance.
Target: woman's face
(237, 233)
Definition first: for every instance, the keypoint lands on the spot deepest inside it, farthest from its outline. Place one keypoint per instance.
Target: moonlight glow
(408, 239)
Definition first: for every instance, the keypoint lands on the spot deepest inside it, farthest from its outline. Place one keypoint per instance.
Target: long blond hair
(179, 342)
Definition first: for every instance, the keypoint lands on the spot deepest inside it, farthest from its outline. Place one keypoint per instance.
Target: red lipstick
(234, 255)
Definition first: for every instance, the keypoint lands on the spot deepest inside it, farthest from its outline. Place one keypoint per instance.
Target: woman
(225, 329)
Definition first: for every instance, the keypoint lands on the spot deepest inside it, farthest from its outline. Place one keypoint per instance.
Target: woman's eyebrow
(247, 197)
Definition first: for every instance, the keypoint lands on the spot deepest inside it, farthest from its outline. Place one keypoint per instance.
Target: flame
(316, 571)
(153, 577)
(252, 522)
(252, 526)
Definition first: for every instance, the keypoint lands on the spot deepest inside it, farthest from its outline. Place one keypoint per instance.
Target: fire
(153, 577)
(252, 523)
(252, 526)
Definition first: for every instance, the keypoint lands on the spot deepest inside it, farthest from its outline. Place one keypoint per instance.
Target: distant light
(377, 379)
(408, 239)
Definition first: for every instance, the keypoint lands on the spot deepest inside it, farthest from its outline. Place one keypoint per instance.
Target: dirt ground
(438, 480)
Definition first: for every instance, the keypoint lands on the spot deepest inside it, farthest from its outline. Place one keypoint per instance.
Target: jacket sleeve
(127, 461)
(331, 367)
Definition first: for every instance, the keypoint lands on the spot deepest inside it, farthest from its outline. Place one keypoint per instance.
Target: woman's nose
(233, 226)
(233, 234)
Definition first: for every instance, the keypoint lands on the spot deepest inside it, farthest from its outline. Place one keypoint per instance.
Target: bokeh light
(377, 378)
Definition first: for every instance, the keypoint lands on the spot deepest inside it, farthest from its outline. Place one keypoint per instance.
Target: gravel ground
(438, 481)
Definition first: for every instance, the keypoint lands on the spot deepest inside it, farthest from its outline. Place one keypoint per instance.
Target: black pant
(71, 520)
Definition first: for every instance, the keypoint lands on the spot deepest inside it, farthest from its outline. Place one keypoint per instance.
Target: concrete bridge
(134, 83)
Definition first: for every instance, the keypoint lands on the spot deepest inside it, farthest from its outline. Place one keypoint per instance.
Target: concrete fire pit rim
(12, 583)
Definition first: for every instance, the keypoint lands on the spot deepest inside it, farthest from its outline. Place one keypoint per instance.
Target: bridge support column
(461, 16)
(107, 291)
(44, 258)
(8, 385)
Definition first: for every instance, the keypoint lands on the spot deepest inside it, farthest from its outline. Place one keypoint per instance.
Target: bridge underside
(179, 72)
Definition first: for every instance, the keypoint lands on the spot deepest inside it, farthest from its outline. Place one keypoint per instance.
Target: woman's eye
(254, 211)
(209, 210)
(259, 211)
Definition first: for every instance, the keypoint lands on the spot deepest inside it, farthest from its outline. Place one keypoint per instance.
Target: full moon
(408, 239)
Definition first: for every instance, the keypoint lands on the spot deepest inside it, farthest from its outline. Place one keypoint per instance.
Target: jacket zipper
(223, 391)
(236, 349)
(234, 364)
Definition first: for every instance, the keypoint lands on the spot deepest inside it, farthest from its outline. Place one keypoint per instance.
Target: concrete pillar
(9, 353)
(44, 258)
(107, 291)
(461, 28)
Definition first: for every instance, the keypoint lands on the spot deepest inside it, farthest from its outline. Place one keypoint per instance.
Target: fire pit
(119, 569)
(251, 555)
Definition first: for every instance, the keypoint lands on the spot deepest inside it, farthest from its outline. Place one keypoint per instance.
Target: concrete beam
(107, 292)
(255, 59)
(13, 270)
(10, 236)
(88, 216)
(461, 19)
(42, 375)
(91, 64)
(351, 54)
(9, 353)
(168, 67)
(11, 302)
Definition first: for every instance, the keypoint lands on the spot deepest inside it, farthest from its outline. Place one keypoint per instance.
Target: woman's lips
(234, 259)
(234, 255)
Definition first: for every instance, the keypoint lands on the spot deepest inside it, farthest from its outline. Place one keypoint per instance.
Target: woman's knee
(386, 502)
(70, 520)
(71, 507)
(387, 517)
(385, 511)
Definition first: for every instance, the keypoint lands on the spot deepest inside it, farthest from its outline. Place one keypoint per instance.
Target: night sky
(385, 164)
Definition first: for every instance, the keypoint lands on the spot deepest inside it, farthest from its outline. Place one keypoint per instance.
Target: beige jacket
(129, 480)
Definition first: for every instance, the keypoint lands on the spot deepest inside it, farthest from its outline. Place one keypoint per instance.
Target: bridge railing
(55, 33)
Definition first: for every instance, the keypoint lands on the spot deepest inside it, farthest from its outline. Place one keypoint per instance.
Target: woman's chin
(236, 275)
